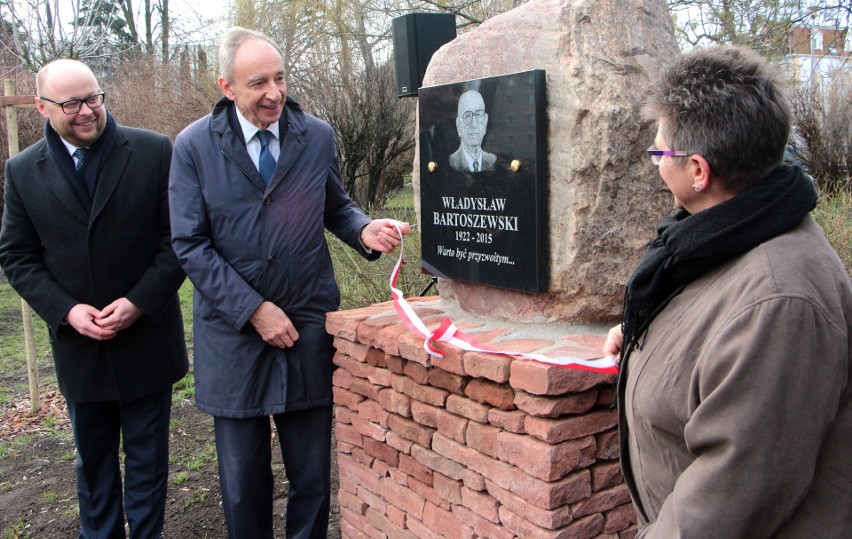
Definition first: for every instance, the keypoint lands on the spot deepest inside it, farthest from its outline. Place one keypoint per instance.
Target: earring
(697, 186)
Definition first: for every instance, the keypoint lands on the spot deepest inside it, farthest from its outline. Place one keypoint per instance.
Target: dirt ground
(37, 480)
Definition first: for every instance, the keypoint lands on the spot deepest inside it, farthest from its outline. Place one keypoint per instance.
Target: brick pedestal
(472, 445)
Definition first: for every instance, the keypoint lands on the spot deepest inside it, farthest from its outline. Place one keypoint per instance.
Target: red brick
(373, 500)
(452, 425)
(373, 411)
(381, 451)
(348, 434)
(427, 394)
(442, 521)
(447, 380)
(403, 498)
(606, 396)
(467, 408)
(602, 501)
(629, 533)
(481, 527)
(341, 378)
(355, 350)
(346, 398)
(378, 376)
(376, 358)
(343, 415)
(473, 480)
(522, 345)
(362, 386)
(381, 467)
(369, 328)
(358, 473)
(586, 527)
(428, 493)
(485, 391)
(398, 442)
(543, 460)
(343, 447)
(411, 348)
(396, 516)
(569, 428)
(437, 462)
(522, 527)
(608, 445)
(424, 414)
(481, 503)
(452, 360)
(354, 525)
(583, 345)
(411, 430)
(605, 475)
(542, 379)
(398, 477)
(619, 518)
(351, 501)
(483, 438)
(347, 484)
(512, 421)
(387, 339)
(396, 402)
(353, 366)
(448, 489)
(413, 468)
(395, 364)
(420, 530)
(494, 367)
(416, 372)
(381, 522)
(550, 519)
(362, 456)
(343, 323)
(556, 406)
(368, 428)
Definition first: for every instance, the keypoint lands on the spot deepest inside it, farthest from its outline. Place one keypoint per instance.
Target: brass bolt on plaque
(515, 165)
(432, 166)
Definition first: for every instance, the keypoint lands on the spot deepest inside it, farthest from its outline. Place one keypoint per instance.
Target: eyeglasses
(73, 106)
(470, 116)
(657, 155)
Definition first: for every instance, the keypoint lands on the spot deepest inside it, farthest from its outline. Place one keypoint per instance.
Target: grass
(834, 215)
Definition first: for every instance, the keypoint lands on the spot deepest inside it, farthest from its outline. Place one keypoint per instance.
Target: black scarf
(688, 246)
(83, 183)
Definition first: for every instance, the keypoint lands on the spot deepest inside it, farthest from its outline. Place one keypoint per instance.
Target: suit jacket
(55, 256)
(242, 242)
(458, 161)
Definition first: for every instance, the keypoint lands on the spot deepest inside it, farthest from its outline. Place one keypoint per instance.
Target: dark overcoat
(241, 243)
(55, 256)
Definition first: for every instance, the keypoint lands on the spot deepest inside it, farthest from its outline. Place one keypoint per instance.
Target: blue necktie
(80, 154)
(266, 163)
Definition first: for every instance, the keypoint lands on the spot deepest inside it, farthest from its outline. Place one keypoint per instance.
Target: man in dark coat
(86, 241)
(253, 187)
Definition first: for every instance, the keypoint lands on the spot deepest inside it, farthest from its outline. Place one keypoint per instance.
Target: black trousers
(243, 447)
(142, 428)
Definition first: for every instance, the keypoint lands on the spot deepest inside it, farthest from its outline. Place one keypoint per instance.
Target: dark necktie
(476, 166)
(80, 154)
(266, 163)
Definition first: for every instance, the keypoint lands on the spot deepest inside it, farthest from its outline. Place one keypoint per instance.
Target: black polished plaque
(483, 181)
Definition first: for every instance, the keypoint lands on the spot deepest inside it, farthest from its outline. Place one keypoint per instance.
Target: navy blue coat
(242, 243)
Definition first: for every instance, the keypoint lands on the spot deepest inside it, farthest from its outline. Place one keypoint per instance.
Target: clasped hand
(103, 324)
(382, 235)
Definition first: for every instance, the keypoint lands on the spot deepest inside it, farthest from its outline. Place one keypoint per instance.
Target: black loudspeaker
(416, 37)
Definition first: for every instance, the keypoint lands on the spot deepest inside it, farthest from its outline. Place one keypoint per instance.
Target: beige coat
(737, 412)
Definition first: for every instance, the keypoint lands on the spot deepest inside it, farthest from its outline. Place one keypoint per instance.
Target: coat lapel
(57, 183)
(110, 175)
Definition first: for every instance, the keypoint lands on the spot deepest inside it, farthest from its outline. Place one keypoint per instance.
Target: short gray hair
(726, 104)
(231, 41)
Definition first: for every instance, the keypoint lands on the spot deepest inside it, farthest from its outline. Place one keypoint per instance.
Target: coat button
(267, 201)
(270, 259)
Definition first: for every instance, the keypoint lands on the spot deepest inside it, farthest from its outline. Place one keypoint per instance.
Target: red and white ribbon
(448, 332)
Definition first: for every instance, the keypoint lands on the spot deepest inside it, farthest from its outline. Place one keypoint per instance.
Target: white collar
(250, 130)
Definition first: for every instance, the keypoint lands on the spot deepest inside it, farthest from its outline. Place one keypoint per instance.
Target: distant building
(818, 54)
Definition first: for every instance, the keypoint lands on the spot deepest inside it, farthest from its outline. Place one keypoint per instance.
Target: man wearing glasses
(85, 240)
(471, 123)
